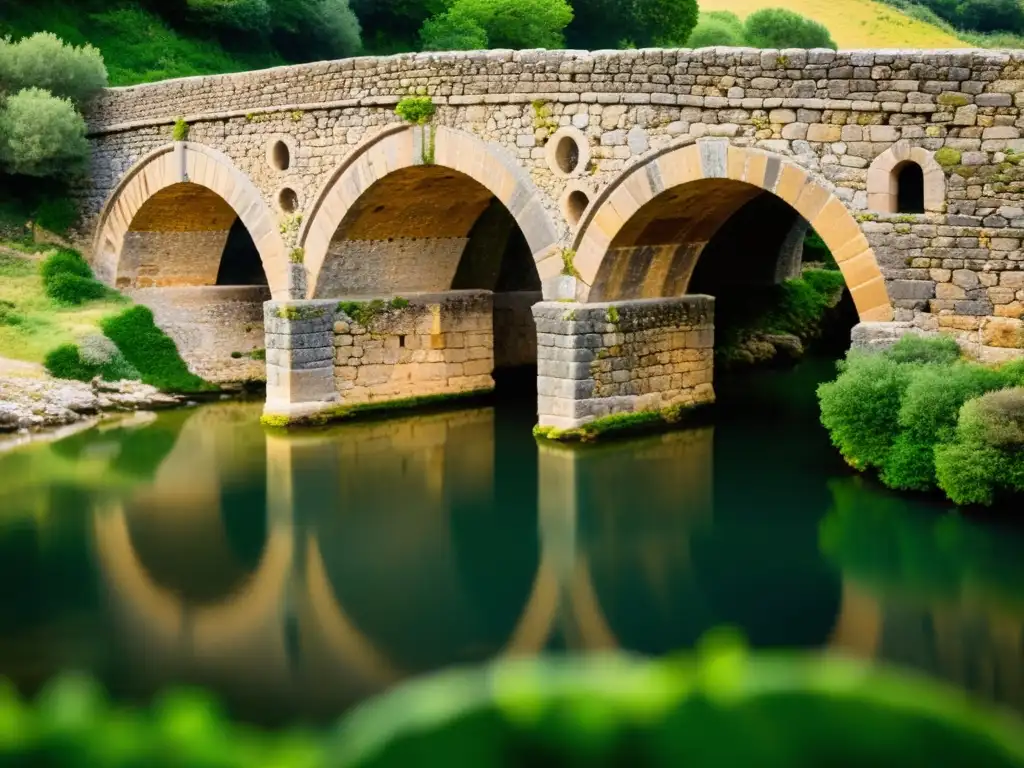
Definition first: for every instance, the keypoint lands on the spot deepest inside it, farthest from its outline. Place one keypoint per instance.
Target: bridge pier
(646, 355)
(328, 358)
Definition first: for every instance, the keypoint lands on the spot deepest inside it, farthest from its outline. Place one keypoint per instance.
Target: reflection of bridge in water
(380, 550)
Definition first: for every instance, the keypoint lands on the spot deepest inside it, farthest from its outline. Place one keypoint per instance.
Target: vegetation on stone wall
(925, 418)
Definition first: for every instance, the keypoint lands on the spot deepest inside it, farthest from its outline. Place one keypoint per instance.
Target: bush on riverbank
(757, 325)
(151, 351)
(924, 419)
(68, 279)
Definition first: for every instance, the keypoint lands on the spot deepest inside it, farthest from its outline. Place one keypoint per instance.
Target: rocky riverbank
(30, 401)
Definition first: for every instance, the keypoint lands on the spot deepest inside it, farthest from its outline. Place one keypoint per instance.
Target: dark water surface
(296, 575)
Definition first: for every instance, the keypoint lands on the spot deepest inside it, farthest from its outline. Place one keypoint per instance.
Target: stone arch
(883, 178)
(716, 179)
(222, 193)
(439, 151)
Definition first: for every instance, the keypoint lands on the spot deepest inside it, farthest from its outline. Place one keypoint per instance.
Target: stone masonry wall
(833, 113)
(217, 329)
(440, 344)
(399, 266)
(515, 334)
(599, 359)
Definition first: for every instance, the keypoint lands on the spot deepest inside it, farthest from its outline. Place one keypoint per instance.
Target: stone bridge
(554, 210)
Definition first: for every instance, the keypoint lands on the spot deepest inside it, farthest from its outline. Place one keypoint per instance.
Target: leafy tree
(44, 61)
(980, 15)
(307, 30)
(506, 23)
(237, 15)
(396, 24)
(716, 28)
(611, 23)
(42, 135)
(781, 28)
(449, 32)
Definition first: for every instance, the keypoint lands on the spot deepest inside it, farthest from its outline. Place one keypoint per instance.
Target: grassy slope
(853, 23)
(47, 324)
(136, 45)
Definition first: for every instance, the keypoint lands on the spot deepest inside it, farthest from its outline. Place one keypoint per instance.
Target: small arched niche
(906, 179)
(909, 187)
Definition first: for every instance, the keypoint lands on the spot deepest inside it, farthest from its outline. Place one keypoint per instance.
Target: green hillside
(137, 45)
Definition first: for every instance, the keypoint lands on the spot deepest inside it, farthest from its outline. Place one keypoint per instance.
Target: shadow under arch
(387, 167)
(220, 193)
(666, 209)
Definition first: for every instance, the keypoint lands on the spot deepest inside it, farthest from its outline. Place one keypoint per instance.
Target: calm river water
(297, 575)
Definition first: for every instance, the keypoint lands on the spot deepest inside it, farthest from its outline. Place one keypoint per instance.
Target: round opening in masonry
(575, 205)
(567, 154)
(288, 200)
(280, 156)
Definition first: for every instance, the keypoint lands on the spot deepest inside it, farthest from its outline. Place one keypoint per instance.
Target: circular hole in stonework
(281, 156)
(576, 204)
(288, 199)
(567, 154)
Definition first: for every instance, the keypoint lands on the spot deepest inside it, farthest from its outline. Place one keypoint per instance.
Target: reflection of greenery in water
(877, 540)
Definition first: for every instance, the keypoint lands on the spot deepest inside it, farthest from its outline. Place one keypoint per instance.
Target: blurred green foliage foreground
(720, 707)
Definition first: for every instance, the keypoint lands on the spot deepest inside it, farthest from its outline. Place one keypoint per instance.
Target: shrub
(67, 279)
(928, 416)
(506, 23)
(96, 349)
(911, 348)
(44, 61)
(73, 290)
(987, 454)
(712, 32)
(925, 418)
(860, 409)
(416, 109)
(57, 215)
(781, 28)
(150, 351)
(65, 362)
(42, 135)
(64, 261)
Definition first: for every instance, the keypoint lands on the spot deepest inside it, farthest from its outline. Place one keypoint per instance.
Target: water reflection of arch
(281, 629)
(649, 564)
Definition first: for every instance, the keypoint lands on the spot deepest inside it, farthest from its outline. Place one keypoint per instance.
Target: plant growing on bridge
(180, 130)
(365, 312)
(416, 109)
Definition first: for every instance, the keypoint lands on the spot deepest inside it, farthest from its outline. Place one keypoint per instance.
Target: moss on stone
(569, 263)
(952, 99)
(619, 424)
(345, 412)
(365, 312)
(300, 313)
(948, 157)
(180, 130)
(297, 256)
(613, 315)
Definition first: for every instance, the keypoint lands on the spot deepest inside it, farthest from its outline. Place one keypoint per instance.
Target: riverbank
(31, 401)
